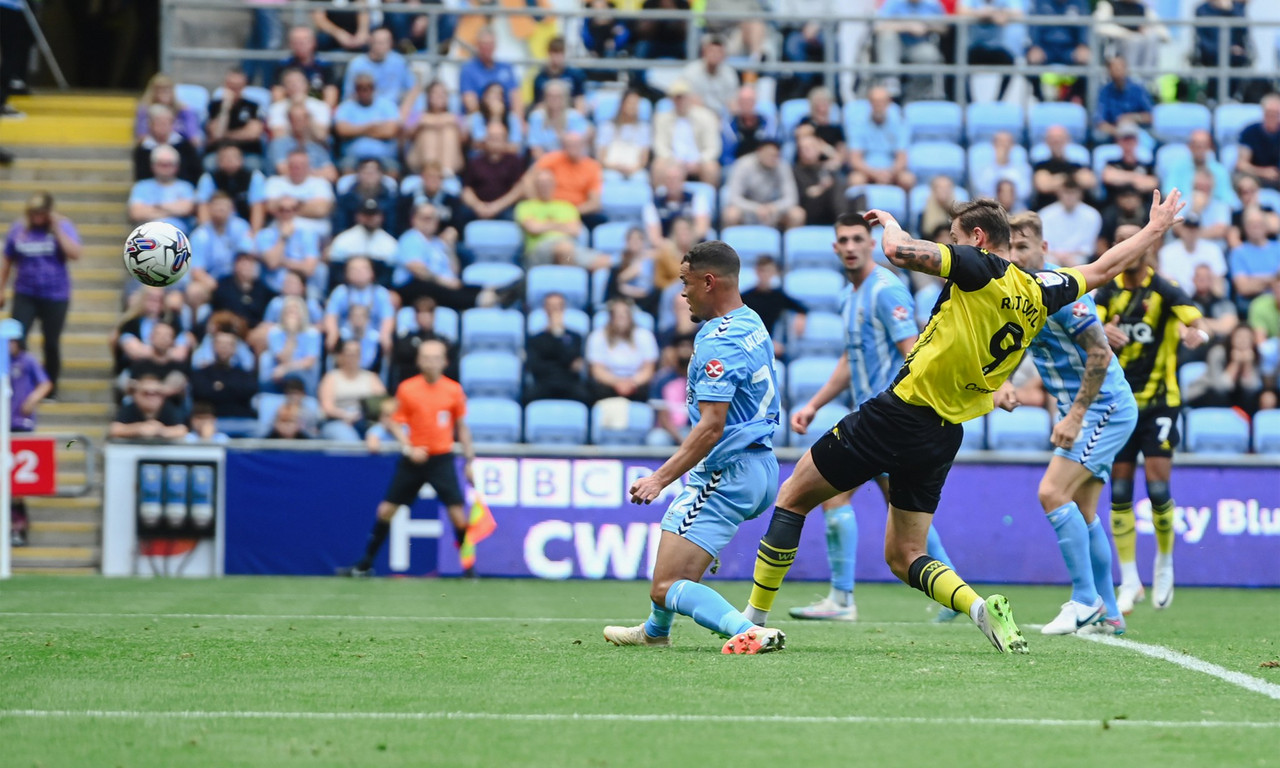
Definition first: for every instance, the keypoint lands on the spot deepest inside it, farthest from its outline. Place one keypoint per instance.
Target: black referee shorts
(439, 471)
(909, 442)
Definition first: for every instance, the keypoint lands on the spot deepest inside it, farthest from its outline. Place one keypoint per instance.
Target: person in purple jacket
(40, 248)
(30, 386)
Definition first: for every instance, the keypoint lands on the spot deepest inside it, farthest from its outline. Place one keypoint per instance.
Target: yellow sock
(1162, 521)
(1122, 531)
(942, 584)
(771, 568)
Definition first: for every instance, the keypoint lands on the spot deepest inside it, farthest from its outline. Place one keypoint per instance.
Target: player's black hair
(851, 219)
(714, 256)
(985, 214)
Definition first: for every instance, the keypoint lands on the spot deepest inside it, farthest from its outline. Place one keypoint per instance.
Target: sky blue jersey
(877, 315)
(1060, 358)
(733, 362)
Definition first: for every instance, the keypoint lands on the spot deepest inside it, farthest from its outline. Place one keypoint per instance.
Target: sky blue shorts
(1105, 430)
(713, 504)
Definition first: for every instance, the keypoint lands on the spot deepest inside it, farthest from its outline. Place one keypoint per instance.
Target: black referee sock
(381, 529)
(459, 535)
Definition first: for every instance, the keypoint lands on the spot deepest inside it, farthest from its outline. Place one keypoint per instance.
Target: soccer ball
(157, 254)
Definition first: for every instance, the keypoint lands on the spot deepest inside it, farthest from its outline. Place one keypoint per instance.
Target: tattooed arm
(1094, 342)
(901, 249)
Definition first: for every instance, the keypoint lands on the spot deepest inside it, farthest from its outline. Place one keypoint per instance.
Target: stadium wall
(568, 516)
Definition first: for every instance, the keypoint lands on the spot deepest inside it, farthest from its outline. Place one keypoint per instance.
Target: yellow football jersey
(987, 314)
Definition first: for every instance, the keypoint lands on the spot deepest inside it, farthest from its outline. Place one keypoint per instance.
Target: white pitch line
(1186, 661)
(536, 717)
(357, 617)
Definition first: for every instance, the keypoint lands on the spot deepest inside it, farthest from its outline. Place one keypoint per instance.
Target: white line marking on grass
(1248, 682)
(357, 617)
(535, 717)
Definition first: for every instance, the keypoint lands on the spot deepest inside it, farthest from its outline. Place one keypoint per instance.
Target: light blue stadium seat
(975, 435)
(1269, 198)
(624, 201)
(935, 121)
(255, 93)
(492, 274)
(266, 365)
(268, 404)
(857, 112)
(824, 420)
(194, 96)
(1108, 153)
(600, 287)
(411, 185)
(1045, 115)
(928, 159)
(494, 240)
(1190, 372)
(611, 237)
(490, 374)
(642, 319)
(1217, 430)
(703, 191)
(823, 336)
(574, 319)
(782, 430)
(1228, 157)
(1026, 429)
(1266, 431)
(1175, 122)
(983, 154)
(639, 422)
(494, 419)
(790, 114)
(806, 376)
(920, 196)
(604, 104)
(752, 241)
(1230, 119)
(447, 322)
(492, 330)
(817, 289)
(1076, 153)
(345, 182)
(810, 247)
(982, 121)
(555, 422)
(1170, 155)
(571, 281)
(885, 197)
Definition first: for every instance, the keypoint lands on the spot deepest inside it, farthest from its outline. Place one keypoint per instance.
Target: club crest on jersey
(714, 369)
(1080, 309)
(900, 313)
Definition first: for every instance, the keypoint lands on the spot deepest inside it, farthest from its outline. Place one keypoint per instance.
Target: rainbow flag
(480, 526)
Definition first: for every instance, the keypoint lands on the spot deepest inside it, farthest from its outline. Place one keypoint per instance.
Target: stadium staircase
(76, 147)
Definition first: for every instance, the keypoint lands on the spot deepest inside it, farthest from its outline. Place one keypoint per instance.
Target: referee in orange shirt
(432, 406)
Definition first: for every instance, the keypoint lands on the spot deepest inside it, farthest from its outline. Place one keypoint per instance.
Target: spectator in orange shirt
(579, 178)
(431, 408)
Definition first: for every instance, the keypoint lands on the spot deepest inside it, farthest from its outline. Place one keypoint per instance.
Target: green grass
(280, 660)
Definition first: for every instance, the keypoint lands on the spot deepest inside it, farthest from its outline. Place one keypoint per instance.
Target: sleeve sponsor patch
(1050, 279)
(714, 369)
(900, 313)
(1080, 309)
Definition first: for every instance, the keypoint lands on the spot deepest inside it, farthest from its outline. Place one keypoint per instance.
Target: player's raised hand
(1116, 336)
(646, 489)
(801, 419)
(1164, 214)
(877, 217)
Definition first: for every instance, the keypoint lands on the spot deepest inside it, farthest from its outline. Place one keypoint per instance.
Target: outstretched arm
(1164, 214)
(1099, 355)
(901, 249)
(702, 438)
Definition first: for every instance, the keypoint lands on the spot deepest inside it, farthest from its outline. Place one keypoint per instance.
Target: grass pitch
(394, 672)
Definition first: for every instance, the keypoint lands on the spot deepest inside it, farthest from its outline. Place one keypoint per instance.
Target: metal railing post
(962, 69)
(1224, 59)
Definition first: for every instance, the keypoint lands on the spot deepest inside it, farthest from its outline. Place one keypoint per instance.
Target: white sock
(1129, 573)
(973, 609)
(755, 615)
(840, 597)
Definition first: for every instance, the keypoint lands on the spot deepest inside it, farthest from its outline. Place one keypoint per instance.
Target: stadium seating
(492, 274)
(885, 197)
(975, 435)
(1217, 431)
(494, 240)
(492, 330)
(639, 422)
(447, 322)
(790, 114)
(919, 197)
(823, 336)
(194, 96)
(929, 121)
(1230, 119)
(571, 282)
(255, 93)
(817, 289)
(810, 247)
(1189, 372)
(1043, 116)
(928, 159)
(411, 185)
(1176, 122)
(1108, 153)
(827, 417)
(1076, 153)
(268, 404)
(345, 182)
(806, 376)
(982, 121)
(490, 374)
(555, 422)
(611, 237)
(642, 319)
(599, 286)
(1025, 429)
(858, 112)
(983, 154)
(624, 201)
(1169, 155)
(605, 102)
(494, 420)
(574, 319)
(1266, 432)
(753, 241)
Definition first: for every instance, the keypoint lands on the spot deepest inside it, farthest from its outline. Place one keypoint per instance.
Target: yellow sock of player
(1123, 533)
(773, 559)
(1162, 521)
(942, 584)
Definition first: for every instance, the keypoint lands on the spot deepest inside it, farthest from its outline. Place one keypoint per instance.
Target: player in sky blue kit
(879, 332)
(1097, 413)
(728, 455)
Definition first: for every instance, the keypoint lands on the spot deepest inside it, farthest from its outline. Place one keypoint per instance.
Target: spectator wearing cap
(234, 119)
(672, 201)
(482, 70)
(40, 246)
(161, 132)
(762, 190)
(432, 191)
(1071, 227)
(688, 134)
(367, 238)
(579, 178)
(164, 196)
(298, 138)
(1181, 173)
(557, 70)
(370, 183)
(710, 78)
(878, 146)
(215, 243)
(745, 127)
(246, 188)
(1260, 145)
(492, 181)
(243, 292)
(289, 247)
(1254, 262)
(321, 83)
(1180, 258)
(1126, 206)
(1121, 101)
(388, 68)
(367, 125)
(1127, 170)
(551, 226)
(312, 194)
